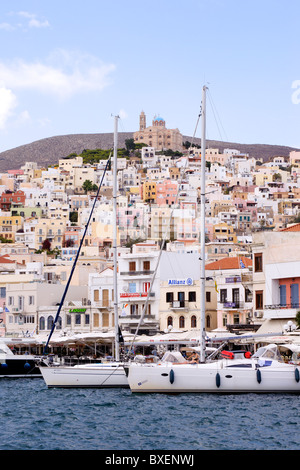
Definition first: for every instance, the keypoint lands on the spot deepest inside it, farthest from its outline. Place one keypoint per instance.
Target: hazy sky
(67, 66)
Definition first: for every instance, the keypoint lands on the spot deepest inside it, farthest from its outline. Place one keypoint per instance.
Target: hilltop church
(157, 135)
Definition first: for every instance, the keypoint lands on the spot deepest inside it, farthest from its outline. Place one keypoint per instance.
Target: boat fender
(297, 374)
(258, 376)
(218, 380)
(26, 365)
(4, 365)
(172, 376)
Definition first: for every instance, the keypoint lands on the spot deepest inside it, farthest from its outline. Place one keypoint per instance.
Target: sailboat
(264, 372)
(96, 375)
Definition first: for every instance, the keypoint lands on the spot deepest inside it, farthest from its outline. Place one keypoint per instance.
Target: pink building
(166, 193)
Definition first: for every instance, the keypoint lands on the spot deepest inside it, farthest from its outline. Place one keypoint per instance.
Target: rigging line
(216, 111)
(216, 119)
(76, 258)
(162, 247)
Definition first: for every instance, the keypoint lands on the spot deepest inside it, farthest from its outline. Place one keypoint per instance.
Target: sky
(69, 66)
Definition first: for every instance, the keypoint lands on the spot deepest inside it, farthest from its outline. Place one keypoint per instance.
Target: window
(2, 292)
(78, 319)
(192, 296)
(259, 299)
(132, 287)
(208, 296)
(146, 287)
(20, 302)
(50, 321)
(170, 321)
(193, 321)
(181, 296)
(87, 319)
(31, 300)
(132, 266)
(223, 295)
(169, 297)
(295, 295)
(42, 323)
(258, 262)
(134, 309)
(181, 322)
(236, 296)
(105, 319)
(146, 265)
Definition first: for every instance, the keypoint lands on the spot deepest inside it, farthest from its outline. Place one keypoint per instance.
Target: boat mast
(115, 253)
(202, 229)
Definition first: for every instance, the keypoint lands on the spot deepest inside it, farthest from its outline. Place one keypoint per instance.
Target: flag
(242, 264)
(123, 312)
(216, 287)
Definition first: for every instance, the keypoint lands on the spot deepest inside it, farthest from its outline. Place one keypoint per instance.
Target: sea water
(34, 417)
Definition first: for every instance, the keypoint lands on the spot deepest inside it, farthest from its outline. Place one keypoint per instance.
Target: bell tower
(142, 121)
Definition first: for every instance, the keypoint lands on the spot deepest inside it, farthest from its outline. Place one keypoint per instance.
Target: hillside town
(252, 239)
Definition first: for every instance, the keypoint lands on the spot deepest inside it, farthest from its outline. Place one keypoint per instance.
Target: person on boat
(193, 358)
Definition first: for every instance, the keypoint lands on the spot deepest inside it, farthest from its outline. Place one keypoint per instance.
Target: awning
(272, 326)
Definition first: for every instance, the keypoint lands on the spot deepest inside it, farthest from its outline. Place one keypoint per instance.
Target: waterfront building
(276, 276)
(135, 276)
(234, 304)
(180, 293)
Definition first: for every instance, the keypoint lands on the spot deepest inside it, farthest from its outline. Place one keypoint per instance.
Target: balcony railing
(136, 273)
(180, 304)
(281, 306)
(236, 304)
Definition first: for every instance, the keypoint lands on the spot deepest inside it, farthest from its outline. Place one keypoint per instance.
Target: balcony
(233, 305)
(179, 305)
(136, 295)
(286, 311)
(136, 273)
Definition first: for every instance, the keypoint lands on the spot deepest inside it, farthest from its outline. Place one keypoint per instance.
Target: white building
(135, 277)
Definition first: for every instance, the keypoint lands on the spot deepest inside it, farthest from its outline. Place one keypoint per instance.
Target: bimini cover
(173, 356)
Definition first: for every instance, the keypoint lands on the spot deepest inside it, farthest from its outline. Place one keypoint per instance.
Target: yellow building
(224, 232)
(9, 226)
(157, 135)
(148, 191)
(52, 230)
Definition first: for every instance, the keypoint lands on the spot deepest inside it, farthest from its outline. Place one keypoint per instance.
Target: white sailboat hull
(86, 376)
(219, 377)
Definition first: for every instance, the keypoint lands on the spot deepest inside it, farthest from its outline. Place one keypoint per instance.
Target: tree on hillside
(129, 144)
(87, 186)
(46, 245)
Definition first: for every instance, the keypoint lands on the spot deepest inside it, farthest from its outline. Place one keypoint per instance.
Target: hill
(49, 150)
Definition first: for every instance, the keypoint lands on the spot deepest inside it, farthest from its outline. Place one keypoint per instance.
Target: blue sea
(34, 417)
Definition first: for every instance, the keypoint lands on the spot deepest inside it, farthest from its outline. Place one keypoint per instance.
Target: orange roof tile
(229, 263)
(5, 259)
(292, 228)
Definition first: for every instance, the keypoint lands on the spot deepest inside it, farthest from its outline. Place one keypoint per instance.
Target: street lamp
(290, 326)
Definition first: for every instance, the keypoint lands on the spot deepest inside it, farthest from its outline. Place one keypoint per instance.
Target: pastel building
(166, 192)
(157, 135)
